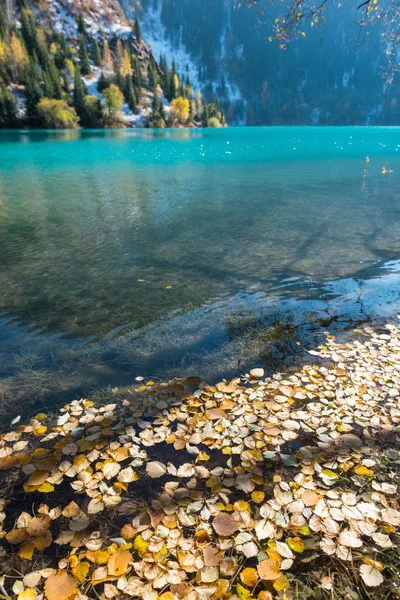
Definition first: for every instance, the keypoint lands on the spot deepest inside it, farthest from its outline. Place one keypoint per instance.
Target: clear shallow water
(95, 225)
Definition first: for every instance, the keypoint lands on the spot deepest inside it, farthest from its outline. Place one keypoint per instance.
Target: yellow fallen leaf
(361, 470)
(249, 577)
(26, 551)
(281, 583)
(60, 586)
(242, 592)
(28, 594)
(119, 563)
(99, 557)
(81, 571)
(140, 545)
(46, 487)
(296, 544)
(258, 497)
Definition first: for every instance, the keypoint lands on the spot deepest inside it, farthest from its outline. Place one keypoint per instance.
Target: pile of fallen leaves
(190, 491)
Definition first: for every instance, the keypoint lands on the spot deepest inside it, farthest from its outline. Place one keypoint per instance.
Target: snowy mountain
(332, 76)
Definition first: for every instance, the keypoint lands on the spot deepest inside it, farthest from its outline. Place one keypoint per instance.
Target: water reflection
(150, 244)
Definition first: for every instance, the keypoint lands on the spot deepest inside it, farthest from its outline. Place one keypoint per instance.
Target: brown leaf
(212, 556)
(39, 525)
(224, 524)
(17, 536)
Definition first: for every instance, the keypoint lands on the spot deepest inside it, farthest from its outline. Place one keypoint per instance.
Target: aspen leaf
(242, 592)
(310, 498)
(46, 487)
(60, 586)
(27, 594)
(371, 576)
(265, 595)
(361, 470)
(81, 571)
(38, 525)
(281, 583)
(258, 497)
(224, 524)
(140, 545)
(249, 577)
(119, 562)
(296, 544)
(17, 536)
(155, 469)
(268, 569)
(26, 551)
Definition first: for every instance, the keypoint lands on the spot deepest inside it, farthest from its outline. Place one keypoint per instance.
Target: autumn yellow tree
(180, 109)
(125, 64)
(106, 61)
(17, 57)
(3, 52)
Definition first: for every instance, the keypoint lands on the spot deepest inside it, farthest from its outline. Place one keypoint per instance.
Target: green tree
(33, 93)
(79, 93)
(103, 82)
(92, 117)
(28, 30)
(96, 54)
(83, 56)
(158, 113)
(51, 80)
(56, 114)
(137, 71)
(81, 24)
(3, 23)
(129, 94)
(114, 99)
(137, 31)
(8, 108)
(152, 74)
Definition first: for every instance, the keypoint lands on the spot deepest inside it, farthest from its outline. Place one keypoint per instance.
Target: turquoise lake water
(143, 252)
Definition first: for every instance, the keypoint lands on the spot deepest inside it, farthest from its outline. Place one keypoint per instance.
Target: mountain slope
(65, 63)
(332, 76)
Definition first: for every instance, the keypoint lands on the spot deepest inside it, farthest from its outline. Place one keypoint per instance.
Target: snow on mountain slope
(157, 37)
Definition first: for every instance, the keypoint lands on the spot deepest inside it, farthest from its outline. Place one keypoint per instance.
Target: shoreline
(255, 487)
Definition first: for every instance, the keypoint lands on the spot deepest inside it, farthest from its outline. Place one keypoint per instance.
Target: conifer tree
(79, 93)
(8, 108)
(137, 72)
(96, 55)
(137, 31)
(33, 93)
(52, 81)
(205, 116)
(28, 30)
(83, 56)
(152, 73)
(81, 24)
(129, 94)
(103, 82)
(3, 23)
